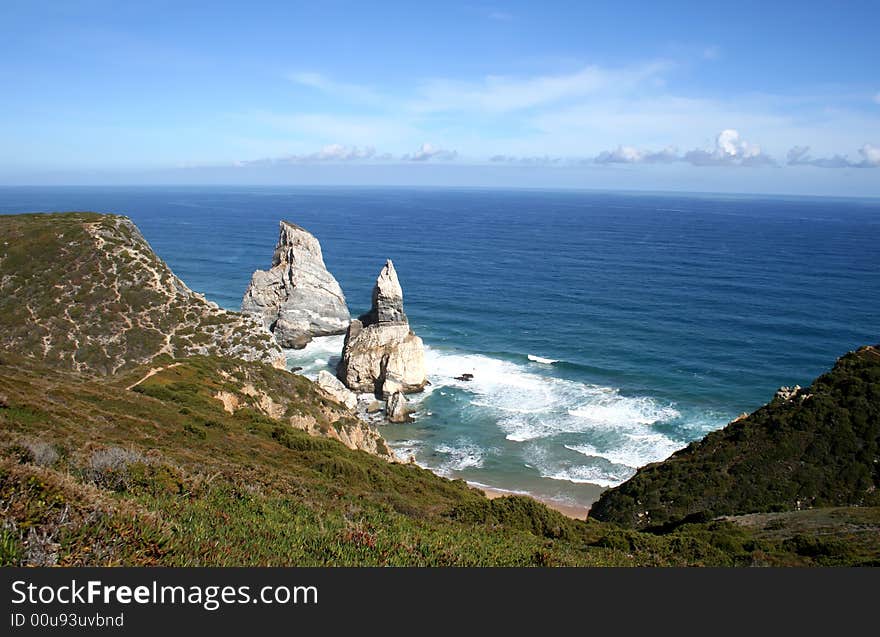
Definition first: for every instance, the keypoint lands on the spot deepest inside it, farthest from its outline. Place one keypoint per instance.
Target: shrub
(108, 468)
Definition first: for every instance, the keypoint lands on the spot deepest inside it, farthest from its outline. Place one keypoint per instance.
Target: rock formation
(297, 298)
(381, 353)
(787, 393)
(396, 409)
(333, 387)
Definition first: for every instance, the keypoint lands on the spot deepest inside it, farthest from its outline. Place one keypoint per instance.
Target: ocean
(604, 330)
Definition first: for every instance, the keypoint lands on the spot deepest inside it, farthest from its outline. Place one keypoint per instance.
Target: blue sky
(737, 97)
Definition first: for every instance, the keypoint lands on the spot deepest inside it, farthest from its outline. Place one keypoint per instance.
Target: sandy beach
(571, 510)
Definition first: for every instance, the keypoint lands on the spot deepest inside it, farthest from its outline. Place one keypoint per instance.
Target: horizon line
(584, 189)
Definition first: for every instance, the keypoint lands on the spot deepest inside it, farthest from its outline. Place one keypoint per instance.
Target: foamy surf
(542, 360)
(321, 353)
(613, 434)
(549, 465)
(460, 455)
(527, 405)
(561, 428)
(634, 451)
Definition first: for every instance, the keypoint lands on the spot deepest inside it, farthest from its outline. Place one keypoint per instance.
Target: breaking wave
(561, 428)
(462, 454)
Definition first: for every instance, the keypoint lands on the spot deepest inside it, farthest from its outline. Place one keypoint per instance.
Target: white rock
(334, 388)
(297, 298)
(396, 409)
(381, 354)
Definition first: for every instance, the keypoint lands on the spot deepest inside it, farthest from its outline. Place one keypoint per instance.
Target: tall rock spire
(387, 298)
(381, 353)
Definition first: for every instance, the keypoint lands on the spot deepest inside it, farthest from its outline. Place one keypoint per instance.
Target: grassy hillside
(94, 473)
(819, 448)
(84, 291)
(134, 430)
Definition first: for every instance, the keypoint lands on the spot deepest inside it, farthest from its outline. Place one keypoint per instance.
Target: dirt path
(153, 371)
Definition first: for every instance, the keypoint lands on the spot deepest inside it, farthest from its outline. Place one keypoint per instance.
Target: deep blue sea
(603, 330)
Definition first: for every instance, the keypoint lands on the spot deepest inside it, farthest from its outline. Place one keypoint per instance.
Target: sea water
(603, 330)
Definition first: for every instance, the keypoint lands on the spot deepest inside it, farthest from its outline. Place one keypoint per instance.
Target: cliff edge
(85, 291)
(808, 447)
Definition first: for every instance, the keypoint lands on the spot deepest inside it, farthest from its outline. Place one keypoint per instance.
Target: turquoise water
(650, 319)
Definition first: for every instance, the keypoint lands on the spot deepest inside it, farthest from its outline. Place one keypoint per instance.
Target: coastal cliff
(86, 292)
(297, 298)
(381, 353)
(807, 448)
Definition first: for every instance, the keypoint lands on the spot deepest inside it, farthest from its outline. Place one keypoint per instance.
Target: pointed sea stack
(381, 353)
(297, 298)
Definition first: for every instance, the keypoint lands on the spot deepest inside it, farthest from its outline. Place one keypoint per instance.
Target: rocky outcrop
(396, 409)
(85, 291)
(804, 448)
(297, 298)
(381, 353)
(333, 387)
(289, 399)
(787, 393)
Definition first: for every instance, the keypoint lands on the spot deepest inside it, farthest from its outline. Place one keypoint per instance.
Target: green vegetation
(820, 448)
(84, 291)
(93, 473)
(134, 431)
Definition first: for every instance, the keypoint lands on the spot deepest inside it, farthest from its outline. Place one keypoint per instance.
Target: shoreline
(576, 511)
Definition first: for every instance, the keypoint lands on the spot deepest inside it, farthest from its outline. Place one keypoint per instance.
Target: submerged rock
(297, 298)
(381, 353)
(396, 409)
(334, 388)
(465, 377)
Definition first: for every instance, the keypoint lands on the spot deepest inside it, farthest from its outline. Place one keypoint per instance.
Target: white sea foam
(480, 485)
(529, 405)
(406, 449)
(549, 466)
(636, 450)
(542, 360)
(321, 353)
(612, 433)
(608, 409)
(463, 454)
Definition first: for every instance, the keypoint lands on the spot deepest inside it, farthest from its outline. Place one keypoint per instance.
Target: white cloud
(353, 92)
(567, 115)
(329, 153)
(533, 160)
(501, 94)
(338, 152)
(800, 156)
(877, 98)
(632, 155)
(730, 150)
(870, 154)
(427, 152)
